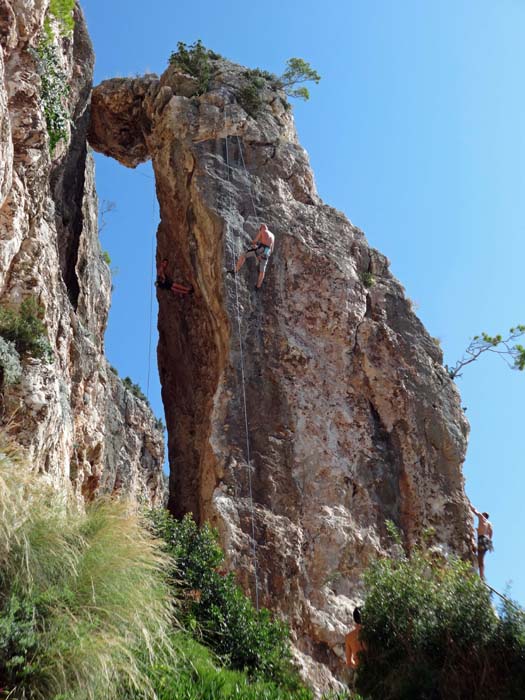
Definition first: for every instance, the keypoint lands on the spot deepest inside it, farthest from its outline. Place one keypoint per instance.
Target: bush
(62, 10)
(54, 89)
(431, 632)
(199, 675)
(159, 425)
(80, 593)
(297, 71)
(106, 257)
(249, 95)
(135, 389)
(196, 60)
(25, 329)
(244, 638)
(368, 279)
(10, 367)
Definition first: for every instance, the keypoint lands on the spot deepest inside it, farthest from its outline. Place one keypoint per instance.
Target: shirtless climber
(262, 248)
(353, 645)
(165, 282)
(484, 539)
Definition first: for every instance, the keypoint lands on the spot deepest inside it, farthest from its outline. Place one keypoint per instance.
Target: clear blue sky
(417, 133)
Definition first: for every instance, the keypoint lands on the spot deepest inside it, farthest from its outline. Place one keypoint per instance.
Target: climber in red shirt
(165, 282)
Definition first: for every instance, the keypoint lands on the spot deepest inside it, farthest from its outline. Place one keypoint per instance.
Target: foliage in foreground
(216, 607)
(431, 633)
(199, 675)
(80, 593)
(25, 329)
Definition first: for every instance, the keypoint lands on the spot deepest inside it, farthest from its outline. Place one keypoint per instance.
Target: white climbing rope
(151, 285)
(243, 383)
(246, 171)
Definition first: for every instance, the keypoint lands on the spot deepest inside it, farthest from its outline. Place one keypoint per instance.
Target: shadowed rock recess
(79, 423)
(352, 418)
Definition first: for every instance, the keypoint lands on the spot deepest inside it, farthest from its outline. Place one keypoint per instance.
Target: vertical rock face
(73, 414)
(352, 418)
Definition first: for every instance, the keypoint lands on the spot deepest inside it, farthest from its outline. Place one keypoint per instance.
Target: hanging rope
(243, 384)
(503, 597)
(151, 286)
(246, 171)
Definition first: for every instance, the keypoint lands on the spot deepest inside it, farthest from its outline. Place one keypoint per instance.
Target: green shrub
(25, 329)
(80, 593)
(199, 675)
(62, 10)
(106, 257)
(431, 632)
(10, 367)
(297, 71)
(135, 390)
(159, 425)
(368, 279)
(244, 638)
(54, 89)
(196, 60)
(249, 95)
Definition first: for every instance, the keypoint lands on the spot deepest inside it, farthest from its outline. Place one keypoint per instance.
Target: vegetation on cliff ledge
(54, 90)
(198, 61)
(22, 334)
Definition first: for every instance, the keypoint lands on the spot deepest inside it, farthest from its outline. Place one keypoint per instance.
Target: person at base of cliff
(165, 282)
(353, 645)
(485, 545)
(262, 248)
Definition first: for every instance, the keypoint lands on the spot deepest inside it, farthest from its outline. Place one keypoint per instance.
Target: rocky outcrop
(352, 418)
(77, 420)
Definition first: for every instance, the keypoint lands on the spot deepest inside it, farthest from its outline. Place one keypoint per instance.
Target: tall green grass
(198, 674)
(84, 601)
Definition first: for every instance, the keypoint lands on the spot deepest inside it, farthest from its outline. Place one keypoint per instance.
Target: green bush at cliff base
(23, 326)
(199, 675)
(80, 593)
(431, 633)
(216, 608)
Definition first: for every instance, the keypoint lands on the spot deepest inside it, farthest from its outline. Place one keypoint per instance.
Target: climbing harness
(243, 383)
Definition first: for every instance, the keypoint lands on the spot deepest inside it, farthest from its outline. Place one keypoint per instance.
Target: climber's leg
(240, 263)
(262, 271)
